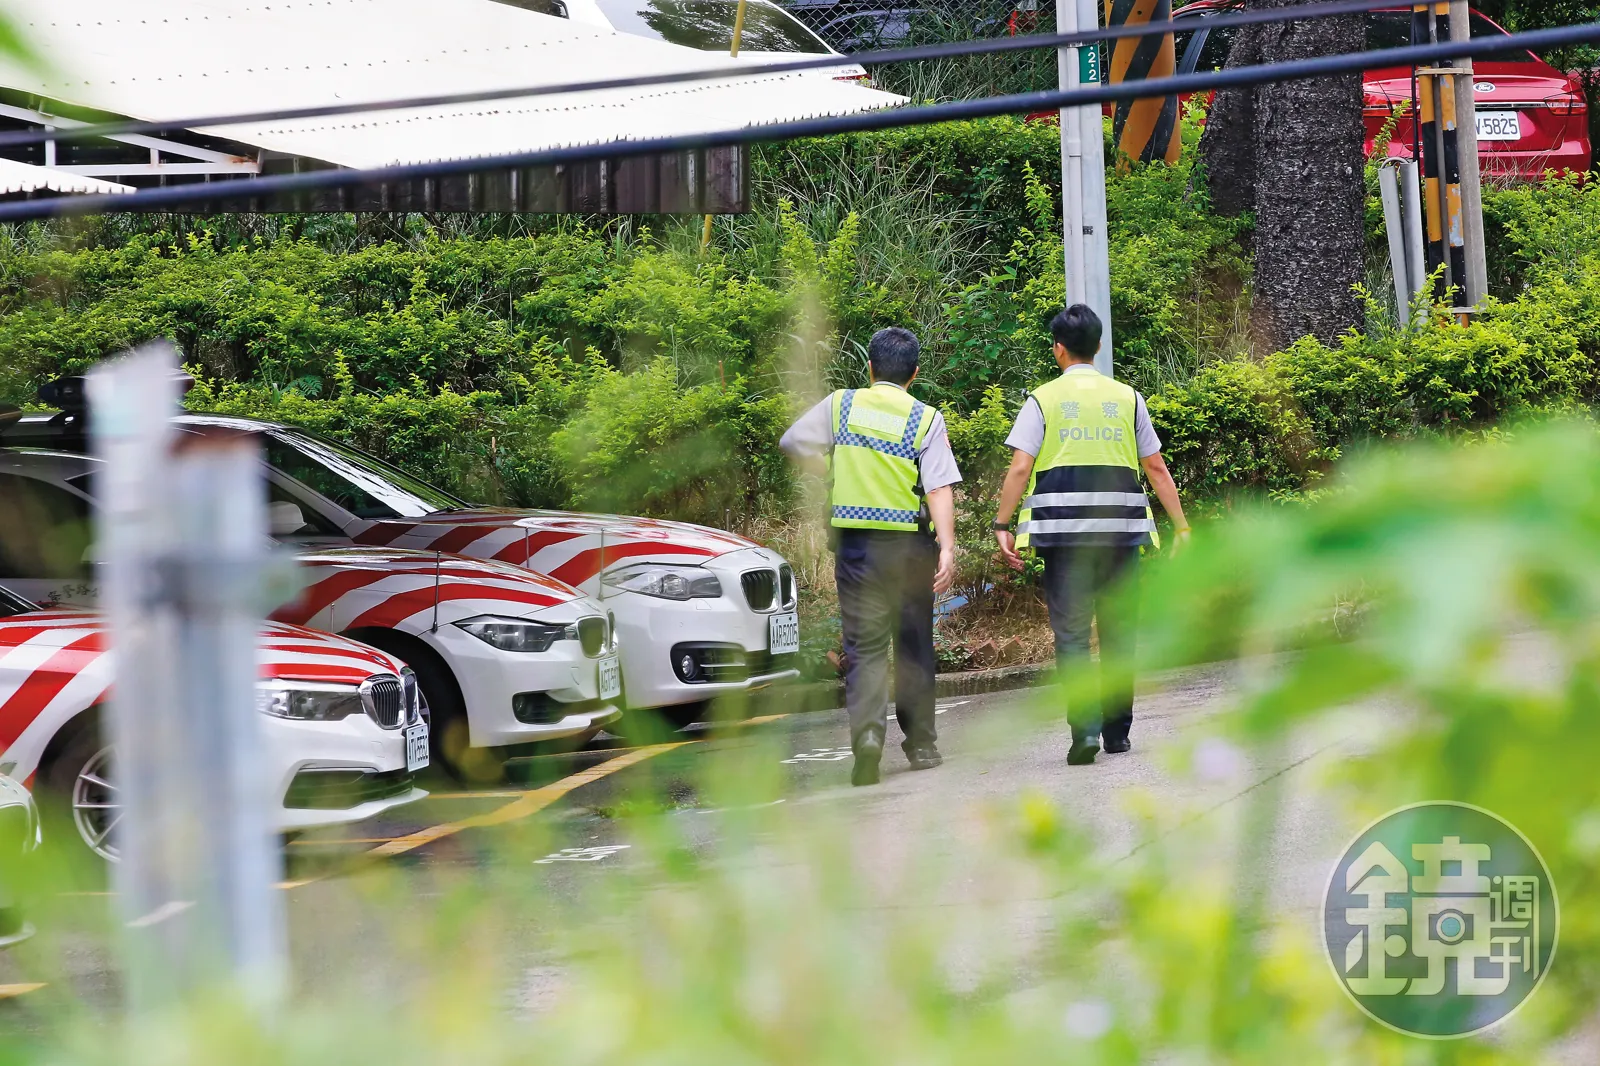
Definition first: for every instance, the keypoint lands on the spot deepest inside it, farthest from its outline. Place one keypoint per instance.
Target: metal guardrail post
(182, 527)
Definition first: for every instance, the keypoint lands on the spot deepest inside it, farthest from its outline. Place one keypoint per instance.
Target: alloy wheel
(96, 805)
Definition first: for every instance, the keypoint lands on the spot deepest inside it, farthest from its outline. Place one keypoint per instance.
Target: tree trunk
(1228, 143)
(1310, 233)
(1293, 152)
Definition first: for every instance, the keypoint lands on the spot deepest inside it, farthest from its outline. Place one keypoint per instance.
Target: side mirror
(284, 519)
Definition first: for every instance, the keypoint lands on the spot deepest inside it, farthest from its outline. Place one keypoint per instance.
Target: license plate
(416, 747)
(783, 633)
(1499, 125)
(610, 678)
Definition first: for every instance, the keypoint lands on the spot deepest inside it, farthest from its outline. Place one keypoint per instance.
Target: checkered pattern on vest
(904, 448)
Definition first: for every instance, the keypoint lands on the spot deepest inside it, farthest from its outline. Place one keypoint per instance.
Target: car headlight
(666, 582)
(309, 702)
(517, 634)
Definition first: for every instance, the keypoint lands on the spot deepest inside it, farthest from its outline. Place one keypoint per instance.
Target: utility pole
(1477, 279)
(1083, 176)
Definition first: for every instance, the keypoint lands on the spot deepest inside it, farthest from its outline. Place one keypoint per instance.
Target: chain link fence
(864, 25)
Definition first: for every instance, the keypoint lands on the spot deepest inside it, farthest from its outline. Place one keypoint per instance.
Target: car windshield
(364, 486)
(11, 603)
(708, 25)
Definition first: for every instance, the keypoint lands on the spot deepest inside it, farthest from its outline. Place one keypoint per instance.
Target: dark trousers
(885, 581)
(1083, 584)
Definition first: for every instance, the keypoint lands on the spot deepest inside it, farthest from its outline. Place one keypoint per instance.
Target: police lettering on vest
(1085, 487)
(877, 434)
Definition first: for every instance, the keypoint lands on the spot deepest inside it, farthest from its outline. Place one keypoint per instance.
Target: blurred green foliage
(1025, 929)
(568, 364)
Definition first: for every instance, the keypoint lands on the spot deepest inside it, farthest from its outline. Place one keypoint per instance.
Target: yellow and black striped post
(1441, 157)
(1145, 129)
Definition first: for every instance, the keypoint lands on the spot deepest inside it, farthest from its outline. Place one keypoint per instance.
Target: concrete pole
(1096, 251)
(1071, 159)
(1083, 182)
(1477, 279)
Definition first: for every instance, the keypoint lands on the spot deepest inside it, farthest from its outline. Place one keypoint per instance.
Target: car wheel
(81, 783)
(449, 735)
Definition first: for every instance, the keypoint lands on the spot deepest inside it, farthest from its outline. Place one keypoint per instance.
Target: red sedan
(1531, 117)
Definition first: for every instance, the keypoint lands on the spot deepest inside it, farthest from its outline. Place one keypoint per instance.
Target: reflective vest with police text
(1085, 486)
(877, 433)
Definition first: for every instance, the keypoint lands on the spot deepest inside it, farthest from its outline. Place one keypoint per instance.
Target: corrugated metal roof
(22, 178)
(165, 59)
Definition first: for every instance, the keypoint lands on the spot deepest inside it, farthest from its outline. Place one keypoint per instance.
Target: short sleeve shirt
(1027, 434)
(812, 435)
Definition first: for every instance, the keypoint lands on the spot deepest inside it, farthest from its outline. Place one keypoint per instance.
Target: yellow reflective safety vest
(1085, 488)
(877, 433)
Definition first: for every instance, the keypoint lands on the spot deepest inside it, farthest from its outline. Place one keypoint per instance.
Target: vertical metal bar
(1477, 275)
(1411, 208)
(183, 534)
(1394, 225)
(733, 51)
(1454, 232)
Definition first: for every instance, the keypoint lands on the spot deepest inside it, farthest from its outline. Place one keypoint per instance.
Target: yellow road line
(331, 841)
(12, 991)
(525, 804)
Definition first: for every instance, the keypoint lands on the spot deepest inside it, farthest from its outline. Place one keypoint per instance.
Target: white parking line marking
(821, 755)
(594, 854)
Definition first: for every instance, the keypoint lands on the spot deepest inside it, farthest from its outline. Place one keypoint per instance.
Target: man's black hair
(893, 354)
(1077, 329)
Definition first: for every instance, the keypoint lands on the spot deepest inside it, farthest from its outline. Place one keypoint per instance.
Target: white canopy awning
(166, 59)
(18, 178)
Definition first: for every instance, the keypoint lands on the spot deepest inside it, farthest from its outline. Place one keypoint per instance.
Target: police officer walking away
(1078, 445)
(892, 476)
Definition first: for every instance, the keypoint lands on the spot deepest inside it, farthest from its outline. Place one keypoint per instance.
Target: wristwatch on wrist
(1000, 527)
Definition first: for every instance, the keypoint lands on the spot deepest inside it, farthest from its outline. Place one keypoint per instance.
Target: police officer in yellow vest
(892, 493)
(1078, 445)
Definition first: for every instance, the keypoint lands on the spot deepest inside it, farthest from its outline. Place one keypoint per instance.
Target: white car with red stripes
(700, 613)
(343, 726)
(505, 656)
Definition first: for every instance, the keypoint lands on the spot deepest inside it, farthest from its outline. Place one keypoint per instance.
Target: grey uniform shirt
(1027, 435)
(812, 436)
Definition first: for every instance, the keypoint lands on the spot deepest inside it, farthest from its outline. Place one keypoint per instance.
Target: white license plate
(416, 747)
(1499, 125)
(610, 678)
(783, 633)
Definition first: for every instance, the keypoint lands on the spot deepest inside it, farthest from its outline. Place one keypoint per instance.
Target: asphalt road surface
(923, 840)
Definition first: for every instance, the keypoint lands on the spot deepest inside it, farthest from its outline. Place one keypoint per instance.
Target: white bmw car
(700, 613)
(343, 726)
(505, 656)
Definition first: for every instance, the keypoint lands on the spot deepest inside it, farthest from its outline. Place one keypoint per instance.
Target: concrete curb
(829, 695)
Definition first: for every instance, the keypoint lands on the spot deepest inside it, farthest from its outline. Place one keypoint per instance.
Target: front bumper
(299, 754)
(653, 632)
(492, 681)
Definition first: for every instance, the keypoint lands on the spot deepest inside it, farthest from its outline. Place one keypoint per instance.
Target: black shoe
(1116, 747)
(865, 770)
(1082, 752)
(924, 758)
